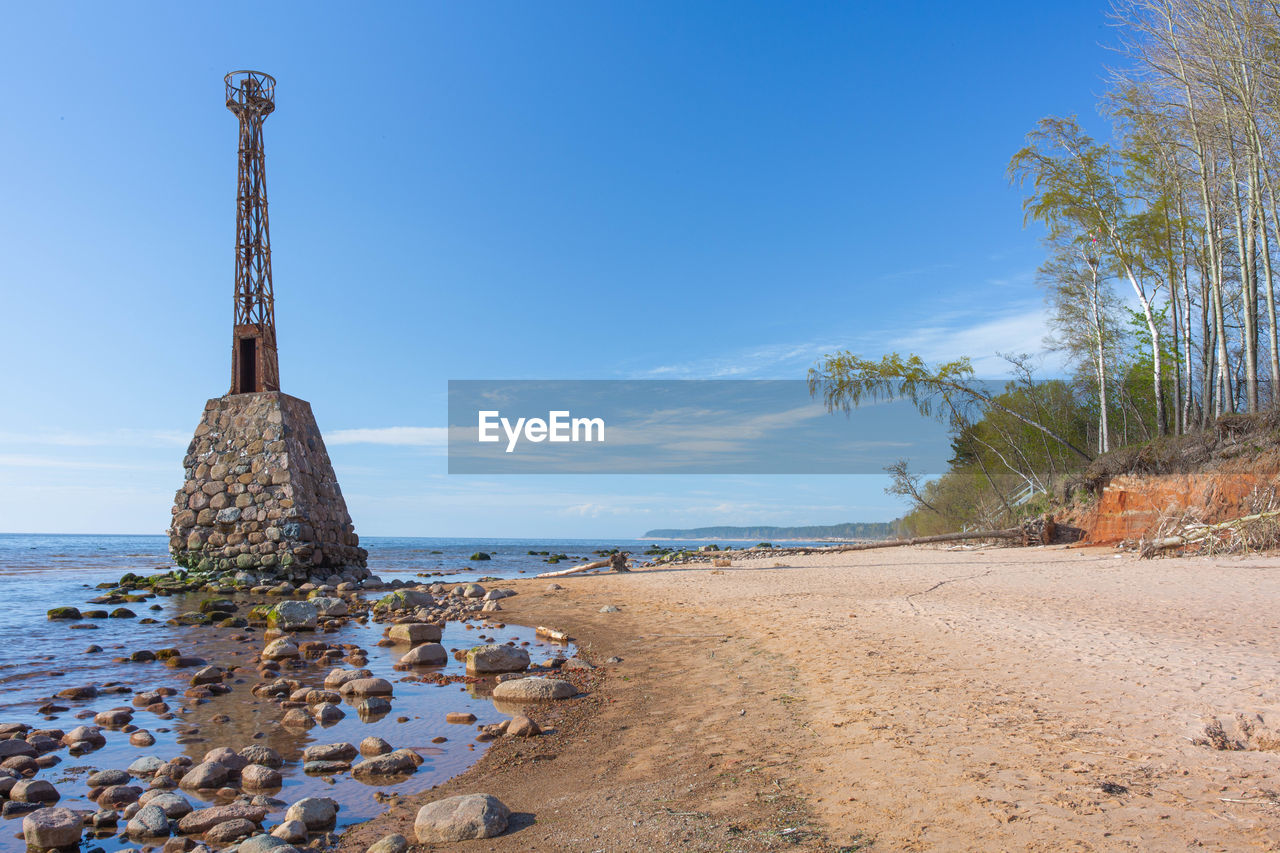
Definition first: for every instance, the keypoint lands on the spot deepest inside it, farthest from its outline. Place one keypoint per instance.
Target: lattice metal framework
(254, 362)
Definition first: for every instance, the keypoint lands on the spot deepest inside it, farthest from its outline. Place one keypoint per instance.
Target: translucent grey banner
(679, 427)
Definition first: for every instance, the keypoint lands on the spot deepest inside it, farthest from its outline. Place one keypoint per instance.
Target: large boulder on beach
(461, 818)
(414, 633)
(427, 654)
(534, 690)
(293, 616)
(46, 829)
(496, 658)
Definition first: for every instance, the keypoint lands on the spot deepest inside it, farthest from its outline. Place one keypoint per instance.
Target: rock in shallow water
(145, 767)
(262, 843)
(173, 805)
(374, 746)
(366, 687)
(33, 791)
(202, 820)
(329, 752)
(427, 654)
(46, 829)
(149, 822)
(396, 763)
(292, 831)
(461, 818)
(280, 649)
(317, 813)
(230, 830)
(293, 616)
(264, 755)
(257, 777)
(208, 774)
(103, 778)
(534, 690)
(414, 633)
(494, 658)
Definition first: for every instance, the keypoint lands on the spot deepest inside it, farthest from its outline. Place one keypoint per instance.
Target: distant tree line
(850, 530)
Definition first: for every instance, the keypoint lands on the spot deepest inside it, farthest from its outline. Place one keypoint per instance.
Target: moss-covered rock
(65, 613)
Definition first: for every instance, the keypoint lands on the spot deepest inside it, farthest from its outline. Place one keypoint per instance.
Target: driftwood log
(616, 562)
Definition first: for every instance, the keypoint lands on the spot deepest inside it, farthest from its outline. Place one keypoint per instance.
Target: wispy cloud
(401, 436)
(1017, 329)
(784, 360)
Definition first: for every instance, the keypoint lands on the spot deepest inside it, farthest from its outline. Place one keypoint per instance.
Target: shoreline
(591, 783)
(1030, 698)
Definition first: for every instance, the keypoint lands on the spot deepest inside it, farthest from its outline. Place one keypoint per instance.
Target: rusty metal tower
(254, 363)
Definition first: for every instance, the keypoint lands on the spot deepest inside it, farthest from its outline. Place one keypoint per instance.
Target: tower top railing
(251, 93)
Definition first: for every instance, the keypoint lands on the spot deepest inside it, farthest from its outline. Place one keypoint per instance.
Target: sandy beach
(909, 699)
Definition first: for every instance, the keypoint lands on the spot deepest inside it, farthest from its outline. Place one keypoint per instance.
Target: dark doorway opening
(248, 365)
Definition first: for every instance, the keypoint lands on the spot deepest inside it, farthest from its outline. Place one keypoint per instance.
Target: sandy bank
(1037, 699)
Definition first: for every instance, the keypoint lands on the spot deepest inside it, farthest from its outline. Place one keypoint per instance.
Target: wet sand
(912, 699)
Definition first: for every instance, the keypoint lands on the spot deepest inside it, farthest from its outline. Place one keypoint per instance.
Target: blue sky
(504, 191)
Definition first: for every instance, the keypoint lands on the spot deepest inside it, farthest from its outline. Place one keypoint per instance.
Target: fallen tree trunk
(1007, 533)
(586, 567)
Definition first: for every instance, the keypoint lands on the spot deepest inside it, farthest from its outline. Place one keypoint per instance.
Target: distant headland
(849, 530)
